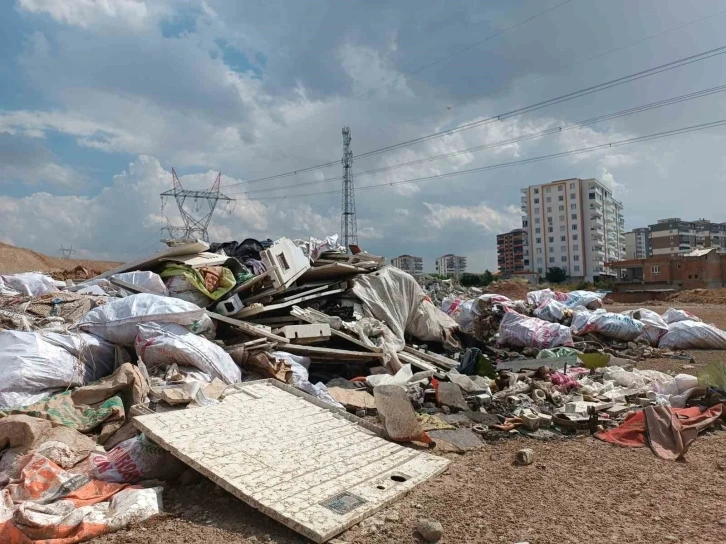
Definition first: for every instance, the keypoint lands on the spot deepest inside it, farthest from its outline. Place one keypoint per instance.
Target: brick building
(510, 252)
(699, 269)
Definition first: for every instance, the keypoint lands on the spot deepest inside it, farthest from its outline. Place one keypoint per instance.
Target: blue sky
(100, 98)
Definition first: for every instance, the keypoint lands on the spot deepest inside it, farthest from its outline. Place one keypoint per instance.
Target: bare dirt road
(578, 490)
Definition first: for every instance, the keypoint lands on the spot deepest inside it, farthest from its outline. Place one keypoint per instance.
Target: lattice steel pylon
(194, 228)
(66, 252)
(348, 221)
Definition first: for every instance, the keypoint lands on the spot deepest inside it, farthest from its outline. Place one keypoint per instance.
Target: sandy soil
(17, 259)
(578, 490)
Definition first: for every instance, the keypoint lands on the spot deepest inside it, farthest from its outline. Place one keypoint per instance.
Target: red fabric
(632, 433)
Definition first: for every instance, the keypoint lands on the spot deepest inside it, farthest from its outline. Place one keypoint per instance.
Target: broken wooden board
(302, 334)
(434, 358)
(420, 364)
(197, 260)
(247, 328)
(318, 353)
(331, 271)
(148, 262)
(358, 399)
(254, 310)
(316, 469)
(314, 316)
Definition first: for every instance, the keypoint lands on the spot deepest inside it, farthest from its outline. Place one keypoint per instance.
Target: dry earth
(578, 490)
(17, 259)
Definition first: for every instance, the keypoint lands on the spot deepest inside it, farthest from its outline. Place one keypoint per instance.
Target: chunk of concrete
(449, 394)
(525, 457)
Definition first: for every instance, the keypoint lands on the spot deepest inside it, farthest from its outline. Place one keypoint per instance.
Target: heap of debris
(218, 356)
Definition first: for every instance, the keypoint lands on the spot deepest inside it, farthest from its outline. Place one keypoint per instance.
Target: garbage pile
(437, 364)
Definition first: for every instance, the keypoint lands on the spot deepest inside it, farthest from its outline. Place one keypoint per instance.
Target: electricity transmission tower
(193, 228)
(66, 252)
(348, 222)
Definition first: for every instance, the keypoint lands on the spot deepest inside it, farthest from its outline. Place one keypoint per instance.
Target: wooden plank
(331, 271)
(311, 332)
(314, 316)
(131, 287)
(145, 263)
(247, 327)
(330, 353)
(438, 360)
(246, 312)
(420, 364)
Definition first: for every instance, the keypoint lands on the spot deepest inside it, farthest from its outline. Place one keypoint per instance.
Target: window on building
(539, 240)
(539, 270)
(552, 250)
(562, 218)
(539, 260)
(575, 258)
(559, 187)
(552, 259)
(548, 189)
(536, 220)
(549, 199)
(536, 231)
(536, 210)
(656, 270)
(563, 259)
(574, 237)
(536, 200)
(562, 208)
(576, 247)
(550, 229)
(574, 227)
(536, 191)
(525, 223)
(577, 268)
(572, 185)
(574, 216)
(563, 249)
(539, 251)
(561, 198)
(563, 228)
(552, 239)
(591, 196)
(573, 206)
(549, 209)
(563, 238)
(549, 220)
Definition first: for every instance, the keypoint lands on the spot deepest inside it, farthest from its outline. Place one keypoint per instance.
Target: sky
(101, 98)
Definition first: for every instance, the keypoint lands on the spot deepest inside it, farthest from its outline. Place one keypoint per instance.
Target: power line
(636, 139)
(520, 111)
(500, 143)
(416, 71)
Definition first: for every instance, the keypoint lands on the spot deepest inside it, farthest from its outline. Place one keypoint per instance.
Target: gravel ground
(579, 490)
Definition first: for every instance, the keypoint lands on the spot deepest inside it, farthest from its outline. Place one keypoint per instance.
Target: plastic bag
(459, 310)
(671, 315)
(299, 365)
(146, 279)
(117, 320)
(517, 330)
(168, 344)
(30, 283)
(653, 325)
(693, 334)
(550, 310)
(610, 325)
(538, 297)
(588, 299)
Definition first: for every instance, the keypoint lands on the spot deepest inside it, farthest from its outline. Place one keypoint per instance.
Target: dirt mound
(701, 296)
(514, 289)
(17, 259)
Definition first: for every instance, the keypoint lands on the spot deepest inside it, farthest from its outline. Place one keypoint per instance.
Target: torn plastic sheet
(300, 377)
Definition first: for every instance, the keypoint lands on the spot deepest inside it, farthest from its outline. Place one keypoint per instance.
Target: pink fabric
(563, 383)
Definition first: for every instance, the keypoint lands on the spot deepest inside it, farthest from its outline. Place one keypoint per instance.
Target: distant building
(409, 263)
(451, 265)
(698, 269)
(674, 236)
(574, 224)
(510, 252)
(637, 243)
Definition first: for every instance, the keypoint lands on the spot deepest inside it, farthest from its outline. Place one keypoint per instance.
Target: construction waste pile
(215, 357)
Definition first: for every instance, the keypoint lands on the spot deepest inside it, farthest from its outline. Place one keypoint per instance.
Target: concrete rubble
(180, 334)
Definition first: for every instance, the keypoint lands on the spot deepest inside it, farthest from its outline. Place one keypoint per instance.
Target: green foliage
(468, 279)
(556, 275)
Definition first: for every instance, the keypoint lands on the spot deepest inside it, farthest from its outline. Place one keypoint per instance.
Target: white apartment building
(637, 244)
(574, 224)
(409, 263)
(451, 265)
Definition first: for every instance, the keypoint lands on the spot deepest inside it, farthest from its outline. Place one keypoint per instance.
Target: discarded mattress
(317, 470)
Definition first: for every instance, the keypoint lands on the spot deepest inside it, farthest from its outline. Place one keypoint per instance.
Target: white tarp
(145, 279)
(653, 325)
(395, 297)
(116, 321)
(693, 334)
(29, 283)
(168, 344)
(517, 330)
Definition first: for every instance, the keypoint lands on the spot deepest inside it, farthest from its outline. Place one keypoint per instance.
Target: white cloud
(85, 13)
(481, 215)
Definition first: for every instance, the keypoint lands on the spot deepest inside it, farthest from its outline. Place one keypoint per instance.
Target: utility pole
(193, 228)
(348, 222)
(66, 252)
